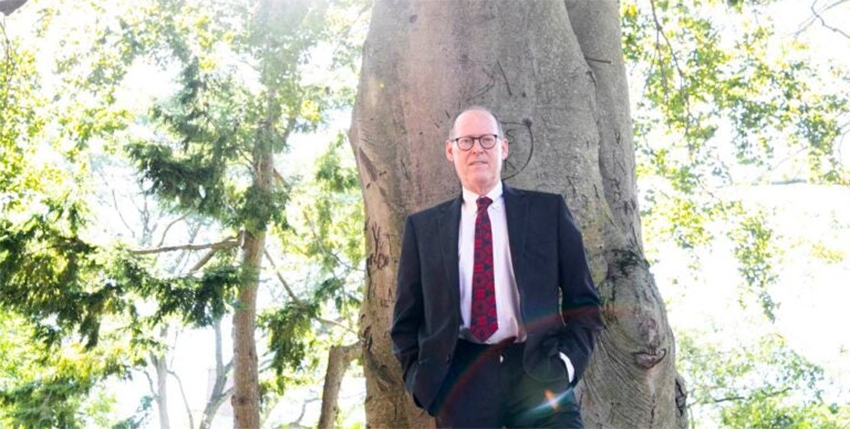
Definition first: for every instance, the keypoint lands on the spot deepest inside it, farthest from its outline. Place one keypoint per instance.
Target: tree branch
(298, 301)
(185, 399)
(219, 394)
(203, 261)
(226, 244)
(741, 398)
(811, 20)
(824, 24)
(325, 249)
(120, 215)
(659, 31)
(168, 227)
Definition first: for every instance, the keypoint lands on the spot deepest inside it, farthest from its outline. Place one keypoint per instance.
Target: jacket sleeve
(408, 310)
(580, 306)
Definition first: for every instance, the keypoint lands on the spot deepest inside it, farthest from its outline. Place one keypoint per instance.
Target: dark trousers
(486, 387)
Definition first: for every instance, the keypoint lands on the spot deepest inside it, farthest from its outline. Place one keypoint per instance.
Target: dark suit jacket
(558, 301)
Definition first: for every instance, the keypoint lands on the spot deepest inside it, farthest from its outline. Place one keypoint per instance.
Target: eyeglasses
(487, 141)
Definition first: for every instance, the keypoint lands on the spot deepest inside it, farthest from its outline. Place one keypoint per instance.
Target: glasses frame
(480, 142)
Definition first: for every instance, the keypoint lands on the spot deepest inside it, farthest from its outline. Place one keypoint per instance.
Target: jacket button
(448, 358)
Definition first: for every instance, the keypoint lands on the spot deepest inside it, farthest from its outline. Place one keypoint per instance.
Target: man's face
(478, 169)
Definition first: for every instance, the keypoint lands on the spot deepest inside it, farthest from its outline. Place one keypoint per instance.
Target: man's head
(478, 167)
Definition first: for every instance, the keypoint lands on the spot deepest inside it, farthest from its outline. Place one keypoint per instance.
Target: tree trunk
(7, 7)
(161, 390)
(339, 359)
(246, 391)
(553, 71)
(218, 394)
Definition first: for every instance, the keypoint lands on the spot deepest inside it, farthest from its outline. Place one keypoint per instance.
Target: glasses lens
(465, 143)
(488, 141)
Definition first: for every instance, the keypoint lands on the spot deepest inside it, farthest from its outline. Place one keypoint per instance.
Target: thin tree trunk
(246, 396)
(161, 367)
(339, 359)
(553, 71)
(218, 394)
(161, 390)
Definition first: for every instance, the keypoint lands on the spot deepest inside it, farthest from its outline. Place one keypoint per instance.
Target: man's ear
(505, 149)
(450, 151)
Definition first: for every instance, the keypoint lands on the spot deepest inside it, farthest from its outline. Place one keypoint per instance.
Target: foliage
(241, 92)
(764, 384)
(721, 102)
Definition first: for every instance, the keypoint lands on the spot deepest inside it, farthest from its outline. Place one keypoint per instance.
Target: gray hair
(478, 109)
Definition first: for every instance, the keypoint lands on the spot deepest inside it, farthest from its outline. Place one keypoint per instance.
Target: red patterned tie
(484, 320)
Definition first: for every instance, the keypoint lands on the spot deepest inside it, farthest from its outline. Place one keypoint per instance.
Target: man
(496, 313)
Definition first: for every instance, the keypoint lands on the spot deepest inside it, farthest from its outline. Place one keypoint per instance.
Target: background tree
(109, 284)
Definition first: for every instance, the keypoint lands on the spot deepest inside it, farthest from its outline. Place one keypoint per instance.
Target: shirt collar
(495, 194)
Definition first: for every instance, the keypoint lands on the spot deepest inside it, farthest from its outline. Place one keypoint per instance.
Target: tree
(222, 116)
(554, 73)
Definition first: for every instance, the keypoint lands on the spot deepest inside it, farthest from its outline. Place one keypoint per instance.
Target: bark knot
(648, 359)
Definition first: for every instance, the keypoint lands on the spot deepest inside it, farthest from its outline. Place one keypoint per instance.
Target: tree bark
(552, 70)
(246, 392)
(339, 359)
(218, 394)
(8, 7)
(161, 390)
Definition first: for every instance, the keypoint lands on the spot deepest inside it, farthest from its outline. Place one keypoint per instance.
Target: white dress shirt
(507, 294)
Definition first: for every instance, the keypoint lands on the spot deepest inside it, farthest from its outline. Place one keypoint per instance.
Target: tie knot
(483, 203)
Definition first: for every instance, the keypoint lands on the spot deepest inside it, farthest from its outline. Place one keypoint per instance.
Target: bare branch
(168, 227)
(185, 399)
(325, 249)
(121, 216)
(280, 178)
(200, 264)
(659, 32)
(817, 14)
(824, 24)
(150, 383)
(742, 398)
(298, 300)
(226, 244)
(282, 280)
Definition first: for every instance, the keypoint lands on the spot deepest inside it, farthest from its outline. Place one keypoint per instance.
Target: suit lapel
(448, 224)
(516, 213)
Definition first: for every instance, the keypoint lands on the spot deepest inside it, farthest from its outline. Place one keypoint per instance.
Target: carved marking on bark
(505, 77)
(367, 164)
(518, 146)
(681, 395)
(379, 258)
(598, 60)
(491, 82)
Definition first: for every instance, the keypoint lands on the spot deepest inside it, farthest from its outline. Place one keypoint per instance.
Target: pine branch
(298, 301)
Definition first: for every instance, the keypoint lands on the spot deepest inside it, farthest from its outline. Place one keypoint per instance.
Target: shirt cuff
(570, 370)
